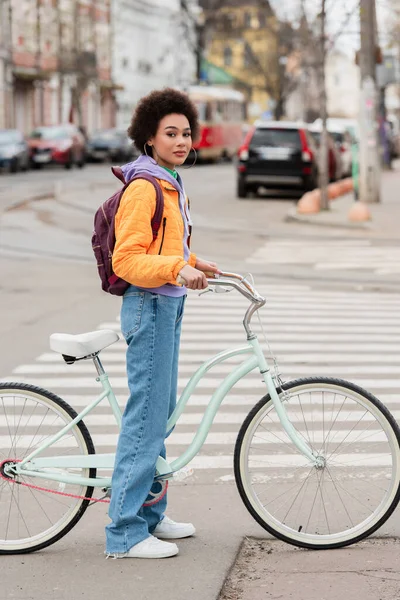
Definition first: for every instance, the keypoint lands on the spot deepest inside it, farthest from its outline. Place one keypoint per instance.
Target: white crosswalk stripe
(352, 335)
(330, 255)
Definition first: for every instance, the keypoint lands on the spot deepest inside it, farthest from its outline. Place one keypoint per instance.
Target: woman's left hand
(207, 267)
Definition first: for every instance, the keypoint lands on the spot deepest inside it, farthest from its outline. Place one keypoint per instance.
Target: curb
(17, 203)
(313, 215)
(294, 217)
(58, 189)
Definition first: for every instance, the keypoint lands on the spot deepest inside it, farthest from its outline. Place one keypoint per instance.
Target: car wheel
(82, 161)
(242, 189)
(311, 181)
(70, 161)
(14, 165)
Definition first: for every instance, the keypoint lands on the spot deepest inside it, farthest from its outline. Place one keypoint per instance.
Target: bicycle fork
(297, 440)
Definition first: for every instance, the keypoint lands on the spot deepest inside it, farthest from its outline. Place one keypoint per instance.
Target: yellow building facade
(241, 39)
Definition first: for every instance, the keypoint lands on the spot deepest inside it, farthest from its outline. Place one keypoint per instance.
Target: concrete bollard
(310, 203)
(359, 212)
(334, 191)
(347, 185)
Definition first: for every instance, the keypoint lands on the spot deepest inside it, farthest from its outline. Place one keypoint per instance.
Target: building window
(247, 56)
(227, 56)
(247, 20)
(262, 21)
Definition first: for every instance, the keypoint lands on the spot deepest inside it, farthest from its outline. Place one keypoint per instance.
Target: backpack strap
(158, 213)
(119, 174)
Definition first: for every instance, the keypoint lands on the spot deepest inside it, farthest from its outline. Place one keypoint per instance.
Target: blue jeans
(151, 325)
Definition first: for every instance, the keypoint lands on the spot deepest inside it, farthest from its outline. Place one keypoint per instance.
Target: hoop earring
(150, 157)
(195, 159)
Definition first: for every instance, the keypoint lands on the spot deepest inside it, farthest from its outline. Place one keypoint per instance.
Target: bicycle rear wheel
(31, 519)
(347, 498)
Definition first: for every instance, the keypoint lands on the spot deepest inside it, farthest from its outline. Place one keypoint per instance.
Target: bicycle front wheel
(31, 518)
(354, 489)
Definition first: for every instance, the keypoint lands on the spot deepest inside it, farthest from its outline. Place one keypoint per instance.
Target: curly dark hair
(154, 107)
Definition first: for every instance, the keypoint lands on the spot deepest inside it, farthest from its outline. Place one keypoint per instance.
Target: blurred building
(342, 81)
(240, 38)
(154, 46)
(55, 63)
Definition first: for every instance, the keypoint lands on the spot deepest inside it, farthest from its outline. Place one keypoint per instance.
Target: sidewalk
(272, 569)
(385, 215)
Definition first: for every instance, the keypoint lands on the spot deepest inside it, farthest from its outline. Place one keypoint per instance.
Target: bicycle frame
(32, 464)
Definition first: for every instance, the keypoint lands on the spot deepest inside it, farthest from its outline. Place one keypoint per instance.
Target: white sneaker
(151, 547)
(169, 530)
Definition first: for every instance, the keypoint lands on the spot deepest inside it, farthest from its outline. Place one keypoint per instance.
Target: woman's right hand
(194, 279)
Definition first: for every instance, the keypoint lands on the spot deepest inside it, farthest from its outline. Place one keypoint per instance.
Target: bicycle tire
(18, 515)
(275, 519)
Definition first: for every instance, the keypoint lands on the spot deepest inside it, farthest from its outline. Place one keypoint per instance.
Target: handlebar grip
(209, 274)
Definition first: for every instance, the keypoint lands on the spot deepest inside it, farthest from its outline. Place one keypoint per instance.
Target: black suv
(277, 154)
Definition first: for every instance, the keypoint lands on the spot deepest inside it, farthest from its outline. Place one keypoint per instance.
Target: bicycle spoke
(18, 508)
(348, 493)
(347, 435)
(322, 500)
(297, 495)
(284, 493)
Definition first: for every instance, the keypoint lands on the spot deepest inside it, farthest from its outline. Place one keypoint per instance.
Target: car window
(105, 135)
(49, 133)
(337, 136)
(10, 137)
(311, 141)
(278, 138)
(347, 137)
(316, 136)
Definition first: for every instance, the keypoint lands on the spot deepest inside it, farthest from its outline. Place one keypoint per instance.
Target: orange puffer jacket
(136, 257)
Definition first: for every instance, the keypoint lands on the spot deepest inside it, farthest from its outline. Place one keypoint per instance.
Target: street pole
(39, 81)
(199, 29)
(6, 100)
(323, 162)
(59, 63)
(369, 172)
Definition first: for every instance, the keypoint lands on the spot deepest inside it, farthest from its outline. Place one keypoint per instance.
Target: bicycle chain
(91, 499)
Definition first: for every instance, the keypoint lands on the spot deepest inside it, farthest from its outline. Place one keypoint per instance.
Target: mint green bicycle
(316, 461)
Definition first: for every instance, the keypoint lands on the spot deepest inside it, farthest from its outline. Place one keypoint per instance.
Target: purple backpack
(103, 239)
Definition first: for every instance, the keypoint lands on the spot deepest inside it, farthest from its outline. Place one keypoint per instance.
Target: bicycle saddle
(78, 346)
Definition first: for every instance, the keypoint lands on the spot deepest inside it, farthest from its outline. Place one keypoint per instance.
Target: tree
(265, 63)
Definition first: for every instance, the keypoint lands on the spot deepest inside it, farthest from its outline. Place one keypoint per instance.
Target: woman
(162, 127)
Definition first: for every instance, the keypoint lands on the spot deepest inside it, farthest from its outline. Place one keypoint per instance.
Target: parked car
(395, 135)
(14, 151)
(277, 154)
(112, 145)
(59, 144)
(344, 132)
(335, 165)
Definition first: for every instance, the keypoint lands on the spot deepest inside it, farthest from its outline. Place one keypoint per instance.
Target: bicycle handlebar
(240, 284)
